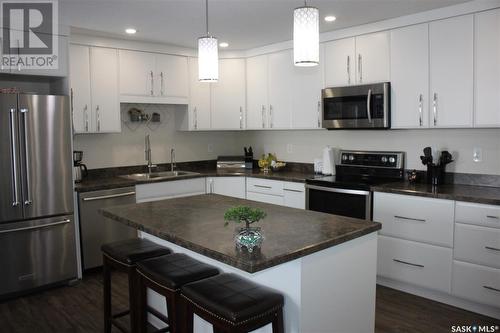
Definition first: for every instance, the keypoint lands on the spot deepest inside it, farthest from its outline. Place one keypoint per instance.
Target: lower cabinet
(168, 190)
(276, 192)
(228, 186)
(476, 283)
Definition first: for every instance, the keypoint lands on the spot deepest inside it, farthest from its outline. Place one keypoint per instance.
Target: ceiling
(244, 24)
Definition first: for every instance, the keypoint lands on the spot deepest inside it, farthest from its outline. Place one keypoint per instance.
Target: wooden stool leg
(107, 295)
(188, 317)
(142, 303)
(132, 296)
(278, 322)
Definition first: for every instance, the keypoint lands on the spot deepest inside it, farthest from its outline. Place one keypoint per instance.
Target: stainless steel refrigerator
(37, 231)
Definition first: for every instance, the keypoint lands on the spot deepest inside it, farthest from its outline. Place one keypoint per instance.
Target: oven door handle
(338, 190)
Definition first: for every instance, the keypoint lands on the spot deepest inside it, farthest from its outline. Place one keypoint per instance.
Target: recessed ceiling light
(130, 31)
(330, 18)
(223, 44)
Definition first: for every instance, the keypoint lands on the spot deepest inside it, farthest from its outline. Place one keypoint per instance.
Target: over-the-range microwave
(357, 107)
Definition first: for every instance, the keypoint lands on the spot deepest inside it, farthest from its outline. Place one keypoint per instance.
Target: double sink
(159, 175)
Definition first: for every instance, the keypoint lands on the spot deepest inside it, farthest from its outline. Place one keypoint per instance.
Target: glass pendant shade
(208, 59)
(306, 36)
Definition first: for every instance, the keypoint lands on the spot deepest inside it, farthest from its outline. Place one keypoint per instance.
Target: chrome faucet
(172, 160)
(147, 153)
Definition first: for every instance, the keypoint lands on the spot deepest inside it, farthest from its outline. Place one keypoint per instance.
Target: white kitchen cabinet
(80, 87)
(228, 95)
(294, 195)
(104, 89)
(94, 89)
(169, 189)
(478, 245)
(228, 186)
(340, 63)
(372, 58)
(307, 83)
(265, 198)
(171, 76)
(257, 94)
(280, 76)
(477, 214)
(198, 114)
(476, 283)
(487, 69)
(451, 72)
(410, 77)
(137, 73)
(265, 186)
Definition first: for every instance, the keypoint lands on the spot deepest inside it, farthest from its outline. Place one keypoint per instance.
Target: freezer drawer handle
(27, 200)
(408, 218)
(408, 263)
(102, 197)
(491, 288)
(65, 221)
(491, 248)
(15, 185)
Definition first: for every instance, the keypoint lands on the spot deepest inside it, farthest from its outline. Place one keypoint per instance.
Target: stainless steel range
(348, 192)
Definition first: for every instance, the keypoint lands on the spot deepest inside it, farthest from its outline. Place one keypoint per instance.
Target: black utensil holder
(435, 174)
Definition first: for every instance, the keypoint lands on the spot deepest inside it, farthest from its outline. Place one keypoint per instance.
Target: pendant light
(208, 55)
(306, 36)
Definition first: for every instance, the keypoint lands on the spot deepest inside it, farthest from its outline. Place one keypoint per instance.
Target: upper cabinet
(410, 77)
(94, 89)
(357, 60)
(197, 116)
(487, 69)
(153, 78)
(257, 92)
(280, 75)
(451, 72)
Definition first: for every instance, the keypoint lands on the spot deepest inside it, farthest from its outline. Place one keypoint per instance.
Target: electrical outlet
(210, 148)
(477, 155)
(289, 148)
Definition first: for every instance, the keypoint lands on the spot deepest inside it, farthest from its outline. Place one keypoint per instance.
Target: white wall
(127, 148)
(307, 145)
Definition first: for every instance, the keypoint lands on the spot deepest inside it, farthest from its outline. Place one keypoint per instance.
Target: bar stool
(123, 256)
(232, 304)
(166, 275)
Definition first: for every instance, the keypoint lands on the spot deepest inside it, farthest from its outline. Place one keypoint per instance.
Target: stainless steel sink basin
(159, 175)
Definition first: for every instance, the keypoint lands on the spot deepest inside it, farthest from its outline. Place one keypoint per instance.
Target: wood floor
(79, 309)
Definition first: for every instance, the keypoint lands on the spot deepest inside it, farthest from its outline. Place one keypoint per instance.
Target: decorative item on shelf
(137, 115)
(249, 238)
(155, 117)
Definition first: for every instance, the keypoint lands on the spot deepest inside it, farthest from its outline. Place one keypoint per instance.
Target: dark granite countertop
(469, 193)
(113, 181)
(197, 223)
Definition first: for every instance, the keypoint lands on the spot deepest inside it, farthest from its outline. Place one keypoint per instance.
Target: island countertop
(197, 223)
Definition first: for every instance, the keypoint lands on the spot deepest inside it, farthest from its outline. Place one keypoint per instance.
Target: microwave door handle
(368, 105)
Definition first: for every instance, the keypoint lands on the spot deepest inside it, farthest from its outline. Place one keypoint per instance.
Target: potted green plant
(246, 237)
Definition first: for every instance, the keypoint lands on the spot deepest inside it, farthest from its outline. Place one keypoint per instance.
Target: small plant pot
(248, 238)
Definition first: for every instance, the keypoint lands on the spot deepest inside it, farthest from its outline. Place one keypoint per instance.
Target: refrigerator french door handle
(13, 156)
(27, 199)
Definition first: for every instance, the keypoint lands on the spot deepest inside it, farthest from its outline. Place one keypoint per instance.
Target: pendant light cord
(206, 16)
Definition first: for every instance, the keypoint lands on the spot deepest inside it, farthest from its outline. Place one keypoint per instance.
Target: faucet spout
(147, 154)
(172, 160)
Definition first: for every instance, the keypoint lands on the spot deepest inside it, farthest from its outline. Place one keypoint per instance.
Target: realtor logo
(29, 34)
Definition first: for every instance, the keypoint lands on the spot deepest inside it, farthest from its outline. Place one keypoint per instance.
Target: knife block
(435, 174)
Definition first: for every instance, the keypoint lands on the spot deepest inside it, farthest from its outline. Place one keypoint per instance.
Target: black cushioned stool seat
(166, 275)
(123, 256)
(233, 304)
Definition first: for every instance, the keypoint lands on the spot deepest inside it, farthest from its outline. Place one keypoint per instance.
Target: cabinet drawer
(415, 263)
(415, 218)
(476, 283)
(478, 245)
(266, 198)
(294, 195)
(170, 189)
(265, 186)
(471, 213)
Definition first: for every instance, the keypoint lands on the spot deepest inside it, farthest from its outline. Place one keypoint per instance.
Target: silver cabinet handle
(492, 217)
(241, 117)
(408, 218)
(348, 69)
(152, 82)
(408, 263)
(290, 190)
(86, 115)
(13, 156)
(369, 105)
(319, 114)
(65, 221)
(270, 116)
(420, 110)
(211, 185)
(110, 196)
(262, 186)
(27, 200)
(491, 248)
(491, 288)
(360, 68)
(263, 116)
(195, 120)
(162, 84)
(337, 190)
(434, 108)
(98, 117)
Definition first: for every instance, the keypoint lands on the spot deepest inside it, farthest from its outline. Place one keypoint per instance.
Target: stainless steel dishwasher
(96, 229)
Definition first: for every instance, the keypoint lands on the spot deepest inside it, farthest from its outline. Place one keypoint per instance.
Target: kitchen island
(325, 265)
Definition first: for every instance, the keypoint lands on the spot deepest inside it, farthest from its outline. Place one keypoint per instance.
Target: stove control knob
(384, 159)
(351, 158)
(392, 159)
(344, 157)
